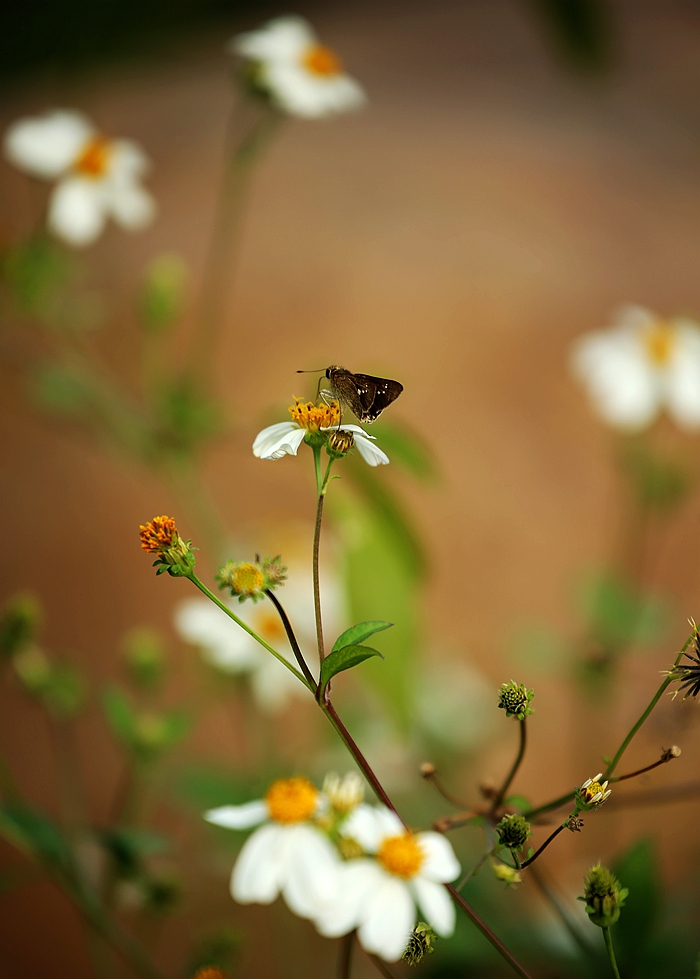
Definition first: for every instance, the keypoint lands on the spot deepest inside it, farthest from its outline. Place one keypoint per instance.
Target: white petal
(278, 440)
(312, 870)
(625, 387)
(77, 210)
(238, 817)
(371, 453)
(132, 207)
(224, 644)
(440, 863)
(281, 39)
(683, 380)
(302, 93)
(127, 161)
(357, 881)
(388, 920)
(48, 145)
(436, 904)
(369, 825)
(259, 867)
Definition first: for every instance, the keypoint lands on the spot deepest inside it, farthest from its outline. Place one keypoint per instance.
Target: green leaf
(616, 616)
(406, 448)
(120, 714)
(358, 633)
(29, 830)
(345, 659)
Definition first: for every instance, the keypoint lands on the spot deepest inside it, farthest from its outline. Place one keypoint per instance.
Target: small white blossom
(97, 178)
(288, 854)
(640, 366)
(377, 895)
(301, 76)
(284, 438)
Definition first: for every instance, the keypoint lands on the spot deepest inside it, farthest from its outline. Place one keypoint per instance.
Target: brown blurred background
(489, 205)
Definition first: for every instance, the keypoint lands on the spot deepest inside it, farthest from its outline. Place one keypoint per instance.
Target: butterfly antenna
(319, 371)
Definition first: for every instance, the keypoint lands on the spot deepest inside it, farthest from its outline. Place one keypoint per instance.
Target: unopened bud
(603, 896)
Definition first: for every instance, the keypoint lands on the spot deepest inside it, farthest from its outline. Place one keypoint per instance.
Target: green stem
(546, 843)
(322, 485)
(516, 765)
(246, 628)
(611, 952)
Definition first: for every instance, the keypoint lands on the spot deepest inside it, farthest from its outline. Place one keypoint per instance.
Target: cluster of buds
(513, 831)
(689, 676)
(420, 944)
(591, 794)
(251, 579)
(514, 698)
(160, 536)
(603, 896)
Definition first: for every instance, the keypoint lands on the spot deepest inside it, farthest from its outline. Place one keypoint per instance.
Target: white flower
(640, 366)
(287, 854)
(301, 76)
(96, 177)
(227, 647)
(284, 438)
(378, 895)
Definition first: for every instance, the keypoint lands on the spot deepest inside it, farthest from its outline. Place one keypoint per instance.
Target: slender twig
(611, 952)
(500, 795)
(665, 758)
(429, 773)
(659, 797)
(544, 846)
(292, 639)
(349, 741)
(470, 873)
(486, 931)
(317, 545)
(447, 823)
(345, 955)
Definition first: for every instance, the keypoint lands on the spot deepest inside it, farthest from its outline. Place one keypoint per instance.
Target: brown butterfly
(364, 395)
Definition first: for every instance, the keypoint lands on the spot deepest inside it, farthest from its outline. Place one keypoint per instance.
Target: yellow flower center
(157, 534)
(247, 579)
(291, 800)
(320, 60)
(659, 340)
(401, 855)
(94, 159)
(312, 417)
(592, 790)
(268, 626)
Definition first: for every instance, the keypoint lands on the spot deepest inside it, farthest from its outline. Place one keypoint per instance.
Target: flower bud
(592, 793)
(514, 698)
(513, 831)
(251, 579)
(339, 443)
(509, 875)
(603, 896)
(160, 536)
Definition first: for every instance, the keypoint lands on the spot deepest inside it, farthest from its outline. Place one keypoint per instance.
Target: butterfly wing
(378, 393)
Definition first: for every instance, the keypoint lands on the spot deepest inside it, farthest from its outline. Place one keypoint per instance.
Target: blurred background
(519, 171)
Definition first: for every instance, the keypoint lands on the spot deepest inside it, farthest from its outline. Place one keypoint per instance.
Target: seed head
(603, 896)
(514, 698)
(420, 944)
(513, 831)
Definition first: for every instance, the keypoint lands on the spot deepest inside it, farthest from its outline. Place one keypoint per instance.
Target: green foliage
(658, 482)
(146, 735)
(358, 633)
(184, 418)
(128, 848)
(34, 833)
(407, 449)
(617, 616)
(344, 659)
(34, 271)
(19, 623)
(64, 693)
(144, 652)
(638, 870)
(162, 293)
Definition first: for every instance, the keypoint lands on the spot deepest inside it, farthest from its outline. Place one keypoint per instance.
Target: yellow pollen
(247, 579)
(94, 159)
(320, 60)
(291, 800)
(312, 417)
(269, 626)
(659, 340)
(592, 790)
(401, 855)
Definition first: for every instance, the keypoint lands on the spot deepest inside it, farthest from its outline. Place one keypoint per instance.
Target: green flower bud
(513, 831)
(514, 698)
(603, 896)
(420, 944)
(251, 579)
(339, 443)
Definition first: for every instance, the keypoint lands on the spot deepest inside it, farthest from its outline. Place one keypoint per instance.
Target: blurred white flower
(301, 76)
(284, 438)
(640, 366)
(227, 647)
(287, 854)
(378, 895)
(97, 178)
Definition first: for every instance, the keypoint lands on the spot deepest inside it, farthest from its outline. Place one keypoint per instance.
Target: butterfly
(366, 396)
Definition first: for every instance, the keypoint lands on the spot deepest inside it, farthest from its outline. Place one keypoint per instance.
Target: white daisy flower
(287, 854)
(228, 648)
(640, 366)
(284, 438)
(378, 895)
(97, 178)
(301, 76)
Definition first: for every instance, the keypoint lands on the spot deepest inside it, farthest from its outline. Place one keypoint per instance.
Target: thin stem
(516, 765)
(345, 955)
(433, 777)
(292, 639)
(317, 544)
(546, 843)
(486, 932)
(224, 608)
(330, 711)
(611, 952)
(664, 760)
(470, 873)
(549, 806)
(447, 823)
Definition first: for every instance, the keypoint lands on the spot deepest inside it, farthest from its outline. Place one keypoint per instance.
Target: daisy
(287, 854)
(378, 895)
(309, 419)
(300, 76)
(228, 648)
(97, 178)
(640, 366)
